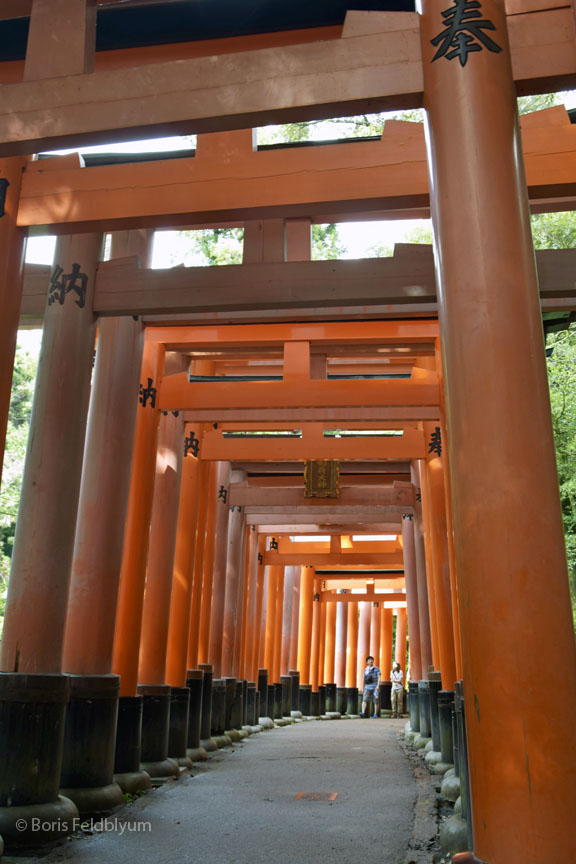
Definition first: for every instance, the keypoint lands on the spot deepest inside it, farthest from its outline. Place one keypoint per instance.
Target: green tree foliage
(16, 439)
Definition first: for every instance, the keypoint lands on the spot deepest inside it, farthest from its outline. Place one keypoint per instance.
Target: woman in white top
(397, 679)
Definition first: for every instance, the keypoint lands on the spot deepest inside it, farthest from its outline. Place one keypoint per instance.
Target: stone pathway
(241, 807)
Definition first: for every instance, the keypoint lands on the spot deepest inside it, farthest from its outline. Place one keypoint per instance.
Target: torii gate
(499, 435)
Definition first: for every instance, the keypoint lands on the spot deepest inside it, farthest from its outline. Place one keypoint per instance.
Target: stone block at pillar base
(95, 801)
(334, 715)
(164, 769)
(450, 789)
(430, 746)
(57, 819)
(296, 715)
(453, 835)
(256, 729)
(89, 742)
(458, 806)
(325, 717)
(440, 768)
(32, 721)
(432, 757)
(209, 745)
(266, 723)
(222, 741)
(420, 743)
(234, 735)
(248, 729)
(197, 754)
(283, 722)
(133, 782)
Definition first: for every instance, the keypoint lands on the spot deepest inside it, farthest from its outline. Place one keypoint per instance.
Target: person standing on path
(370, 686)
(397, 679)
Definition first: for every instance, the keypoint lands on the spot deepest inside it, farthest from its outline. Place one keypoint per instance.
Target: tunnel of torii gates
(156, 567)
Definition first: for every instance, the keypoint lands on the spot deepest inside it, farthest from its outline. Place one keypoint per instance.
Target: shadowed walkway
(240, 807)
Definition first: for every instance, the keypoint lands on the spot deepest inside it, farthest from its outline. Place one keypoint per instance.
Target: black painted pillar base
(424, 706)
(314, 703)
(286, 681)
(178, 726)
(322, 699)
(445, 710)
(89, 742)
(305, 699)
(237, 716)
(251, 704)
(385, 696)
(331, 697)
(127, 772)
(294, 690)
(413, 708)
(32, 721)
(278, 696)
(270, 701)
(229, 699)
(206, 722)
(195, 684)
(263, 691)
(341, 700)
(435, 686)
(218, 707)
(155, 731)
(352, 701)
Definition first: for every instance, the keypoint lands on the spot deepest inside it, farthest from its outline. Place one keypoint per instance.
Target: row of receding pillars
(131, 573)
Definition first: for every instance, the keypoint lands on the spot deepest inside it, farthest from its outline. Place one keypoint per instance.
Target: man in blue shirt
(370, 686)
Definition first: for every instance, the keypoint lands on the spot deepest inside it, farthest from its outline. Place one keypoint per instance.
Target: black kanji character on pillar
(419, 494)
(407, 516)
(274, 544)
(316, 598)
(191, 445)
(62, 284)
(148, 393)
(4, 184)
(260, 558)
(223, 494)
(463, 33)
(435, 445)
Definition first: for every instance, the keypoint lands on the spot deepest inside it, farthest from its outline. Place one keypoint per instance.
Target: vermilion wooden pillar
(199, 549)
(12, 241)
(386, 632)
(363, 637)
(207, 566)
(136, 536)
(287, 619)
(219, 567)
(33, 708)
(315, 640)
(184, 558)
(375, 634)
(352, 646)
(434, 469)
(341, 643)
(430, 569)
(322, 645)
(234, 582)
(249, 599)
(513, 591)
(163, 525)
(278, 617)
(330, 650)
(420, 556)
(305, 624)
(269, 644)
(293, 664)
(410, 575)
(400, 646)
(260, 584)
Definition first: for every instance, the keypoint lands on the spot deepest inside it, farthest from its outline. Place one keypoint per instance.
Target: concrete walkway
(240, 807)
